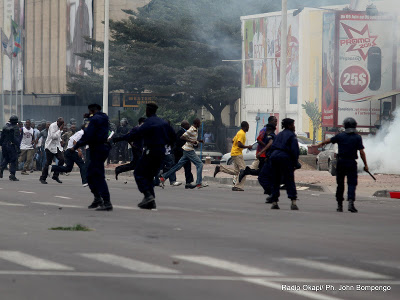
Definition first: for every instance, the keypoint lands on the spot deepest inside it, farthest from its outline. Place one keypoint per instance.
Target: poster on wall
(263, 51)
(328, 69)
(79, 26)
(366, 64)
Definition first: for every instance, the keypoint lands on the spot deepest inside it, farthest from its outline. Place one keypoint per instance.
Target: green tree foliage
(315, 115)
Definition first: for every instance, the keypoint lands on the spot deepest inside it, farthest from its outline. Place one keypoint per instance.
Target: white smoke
(383, 149)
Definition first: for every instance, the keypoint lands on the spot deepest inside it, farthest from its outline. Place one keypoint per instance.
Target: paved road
(210, 243)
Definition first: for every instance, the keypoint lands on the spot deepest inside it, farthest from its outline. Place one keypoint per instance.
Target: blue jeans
(166, 165)
(190, 156)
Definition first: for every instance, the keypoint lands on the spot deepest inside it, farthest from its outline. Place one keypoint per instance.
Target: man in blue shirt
(156, 133)
(95, 135)
(349, 142)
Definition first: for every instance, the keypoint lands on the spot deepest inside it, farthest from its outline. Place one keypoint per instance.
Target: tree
(315, 115)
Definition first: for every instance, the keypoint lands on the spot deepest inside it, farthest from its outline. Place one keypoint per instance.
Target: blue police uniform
(10, 141)
(348, 144)
(156, 133)
(265, 177)
(284, 157)
(96, 135)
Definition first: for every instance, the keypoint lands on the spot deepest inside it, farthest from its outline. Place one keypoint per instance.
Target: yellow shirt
(240, 137)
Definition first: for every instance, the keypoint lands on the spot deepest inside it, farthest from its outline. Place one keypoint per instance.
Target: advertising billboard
(79, 26)
(263, 49)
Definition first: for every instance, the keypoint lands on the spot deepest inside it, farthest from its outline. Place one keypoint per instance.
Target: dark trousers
(346, 168)
(167, 163)
(255, 172)
(87, 161)
(283, 169)
(147, 168)
(49, 160)
(136, 153)
(9, 157)
(265, 176)
(187, 167)
(70, 159)
(96, 174)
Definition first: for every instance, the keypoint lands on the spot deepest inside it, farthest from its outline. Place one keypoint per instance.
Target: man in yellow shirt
(236, 153)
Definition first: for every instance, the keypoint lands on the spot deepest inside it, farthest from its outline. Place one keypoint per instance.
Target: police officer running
(10, 142)
(349, 142)
(156, 133)
(96, 135)
(284, 160)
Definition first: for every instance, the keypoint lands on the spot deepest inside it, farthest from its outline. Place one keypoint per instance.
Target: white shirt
(191, 134)
(74, 138)
(27, 137)
(53, 141)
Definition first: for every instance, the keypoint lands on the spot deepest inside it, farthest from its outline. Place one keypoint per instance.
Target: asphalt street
(208, 243)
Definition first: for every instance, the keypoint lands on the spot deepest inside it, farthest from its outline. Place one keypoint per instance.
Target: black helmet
(349, 123)
(14, 119)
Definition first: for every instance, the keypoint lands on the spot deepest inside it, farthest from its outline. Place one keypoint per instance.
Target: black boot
(96, 203)
(269, 200)
(148, 201)
(275, 205)
(117, 172)
(339, 206)
(352, 207)
(294, 205)
(1, 173)
(13, 178)
(106, 206)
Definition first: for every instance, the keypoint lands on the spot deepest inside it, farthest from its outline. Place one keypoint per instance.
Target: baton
(371, 175)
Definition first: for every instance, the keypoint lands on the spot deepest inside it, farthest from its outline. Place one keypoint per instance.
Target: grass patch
(77, 227)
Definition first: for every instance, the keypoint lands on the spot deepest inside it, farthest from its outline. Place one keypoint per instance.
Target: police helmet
(14, 119)
(349, 123)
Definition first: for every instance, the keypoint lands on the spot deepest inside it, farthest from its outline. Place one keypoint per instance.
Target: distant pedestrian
(96, 136)
(27, 147)
(349, 143)
(239, 142)
(53, 150)
(178, 153)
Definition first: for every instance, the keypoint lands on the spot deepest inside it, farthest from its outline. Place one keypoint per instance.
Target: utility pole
(106, 51)
(283, 64)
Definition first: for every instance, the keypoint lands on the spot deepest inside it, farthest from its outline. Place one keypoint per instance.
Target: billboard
(263, 49)
(79, 26)
(366, 64)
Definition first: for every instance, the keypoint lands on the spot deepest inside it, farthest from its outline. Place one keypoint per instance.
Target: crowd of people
(158, 152)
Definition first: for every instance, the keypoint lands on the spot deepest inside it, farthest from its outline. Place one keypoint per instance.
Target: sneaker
(85, 185)
(13, 178)
(217, 170)
(176, 183)
(294, 207)
(105, 207)
(190, 186)
(201, 185)
(162, 181)
(43, 181)
(24, 173)
(236, 189)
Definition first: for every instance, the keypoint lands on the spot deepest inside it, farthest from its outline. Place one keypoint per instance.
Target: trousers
(346, 168)
(95, 172)
(136, 153)
(283, 169)
(49, 159)
(70, 159)
(187, 167)
(188, 156)
(238, 164)
(9, 157)
(26, 157)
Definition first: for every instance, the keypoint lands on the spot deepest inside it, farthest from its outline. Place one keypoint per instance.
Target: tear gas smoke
(383, 149)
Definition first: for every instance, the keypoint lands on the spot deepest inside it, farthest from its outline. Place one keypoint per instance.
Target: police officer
(349, 142)
(156, 133)
(96, 135)
(122, 149)
(284, 160)
(10, 141)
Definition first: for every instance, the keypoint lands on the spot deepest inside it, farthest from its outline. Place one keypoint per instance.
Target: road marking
(227, 265)
(32, 262)
(125, 207)
(58, 204)
(389, 264)
(302, 188)
(128, 263)
(277, 286)
(346, 271)
(25, 192)
(10, 204)
(62, 197)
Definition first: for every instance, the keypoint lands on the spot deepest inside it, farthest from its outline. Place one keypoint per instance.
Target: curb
(228, 181)
(383, 194)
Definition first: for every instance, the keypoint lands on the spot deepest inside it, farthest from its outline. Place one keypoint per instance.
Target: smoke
(382, 150)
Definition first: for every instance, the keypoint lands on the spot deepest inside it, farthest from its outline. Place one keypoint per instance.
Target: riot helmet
(349, 123)
(14, 119)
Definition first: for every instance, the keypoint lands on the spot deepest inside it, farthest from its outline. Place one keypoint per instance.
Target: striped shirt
(191, 134)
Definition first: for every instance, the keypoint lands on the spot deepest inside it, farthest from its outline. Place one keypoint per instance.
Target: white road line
(25, 192)
(10, 204)
(128, 263)
(389, 264)
(32, 262)
(58, 204)
(302, 188)
(227, 265)
(277, 286)
(331, 268)
(126, 207)
(62, 197)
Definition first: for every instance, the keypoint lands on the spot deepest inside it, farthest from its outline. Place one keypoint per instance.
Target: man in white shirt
(72, 157)
(27, 147)
(53, 149)
(35, 163)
